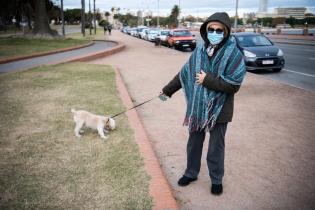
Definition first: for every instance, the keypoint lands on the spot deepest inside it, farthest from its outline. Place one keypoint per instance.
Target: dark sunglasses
(218, 30)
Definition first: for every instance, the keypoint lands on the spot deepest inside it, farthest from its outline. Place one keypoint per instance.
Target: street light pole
(236, 16)
(83, 17)
(178, 12)
(90, 19)
(158, 17)
(94, 17)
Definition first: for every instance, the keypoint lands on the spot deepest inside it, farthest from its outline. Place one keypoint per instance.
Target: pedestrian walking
(109, 29)
(105, 29)
(210, 78)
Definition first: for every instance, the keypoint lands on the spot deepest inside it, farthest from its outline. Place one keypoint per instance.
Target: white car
(143, 33)
(163, 35)
(151, 34)
(133, 31)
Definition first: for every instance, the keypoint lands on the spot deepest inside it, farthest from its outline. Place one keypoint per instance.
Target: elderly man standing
(210, 78)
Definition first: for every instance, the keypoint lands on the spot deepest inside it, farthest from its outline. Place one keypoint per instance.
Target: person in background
(109, 27)
(105, 29)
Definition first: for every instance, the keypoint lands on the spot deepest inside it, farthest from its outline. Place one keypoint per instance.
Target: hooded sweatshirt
(210, 81)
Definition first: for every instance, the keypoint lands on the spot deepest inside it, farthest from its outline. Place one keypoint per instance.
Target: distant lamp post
(236, 16)
(158, 17)
(83, 17)
(178, 13)
(94, 18)
(90, 18)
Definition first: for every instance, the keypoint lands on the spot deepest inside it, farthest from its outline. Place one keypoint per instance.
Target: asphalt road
(299, 70)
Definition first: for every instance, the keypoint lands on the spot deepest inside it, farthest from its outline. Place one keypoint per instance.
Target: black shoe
(216, 189)
(184, 181)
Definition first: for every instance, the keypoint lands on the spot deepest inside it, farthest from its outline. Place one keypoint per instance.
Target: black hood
(221, 17)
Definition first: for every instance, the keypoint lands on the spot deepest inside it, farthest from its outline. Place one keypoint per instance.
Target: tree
(276, 21)
(174, 16)
(41, 25)
(83, 17)
(72, 16)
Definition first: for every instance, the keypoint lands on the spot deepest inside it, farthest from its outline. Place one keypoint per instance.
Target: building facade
(296, 12)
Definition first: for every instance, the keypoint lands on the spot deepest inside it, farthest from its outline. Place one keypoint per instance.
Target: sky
(200, 8)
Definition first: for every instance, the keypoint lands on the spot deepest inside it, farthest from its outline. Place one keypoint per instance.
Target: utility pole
(83, 17)
(62, 18)
(236, 16)
(90, 18)
(158, 17)
(178, 13)
(94, 17)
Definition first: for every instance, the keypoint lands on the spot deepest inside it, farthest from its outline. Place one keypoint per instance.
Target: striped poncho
(204, 105)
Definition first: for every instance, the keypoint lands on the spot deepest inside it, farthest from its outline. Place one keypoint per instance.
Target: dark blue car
(259, 52)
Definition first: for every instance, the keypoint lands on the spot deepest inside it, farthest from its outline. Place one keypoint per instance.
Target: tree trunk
(62, 18)
(41, 26)
(83, 17)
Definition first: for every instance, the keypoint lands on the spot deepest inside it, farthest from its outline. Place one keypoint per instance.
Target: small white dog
(100, 123)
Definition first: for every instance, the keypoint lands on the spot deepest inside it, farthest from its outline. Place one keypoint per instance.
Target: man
(210, 78)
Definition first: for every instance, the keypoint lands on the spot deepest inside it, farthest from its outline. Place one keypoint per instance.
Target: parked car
(133, 31)
(151, 34)
(162, 35)
(259, 52)
(142, 33)
(181, 38)
(124, 29)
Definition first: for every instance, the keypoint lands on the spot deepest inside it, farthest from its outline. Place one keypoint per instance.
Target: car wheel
(277, 70)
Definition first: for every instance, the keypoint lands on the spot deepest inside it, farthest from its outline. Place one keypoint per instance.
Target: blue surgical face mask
(215, 38)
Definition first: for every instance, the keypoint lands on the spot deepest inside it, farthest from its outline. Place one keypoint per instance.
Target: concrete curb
(17, 58)
(101, 53)
(159, 188)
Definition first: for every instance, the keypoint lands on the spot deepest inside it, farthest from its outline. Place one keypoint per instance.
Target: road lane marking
(309, 75)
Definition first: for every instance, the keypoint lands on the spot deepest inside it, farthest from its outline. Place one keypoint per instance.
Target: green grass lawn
(43, 165)
(11, 46)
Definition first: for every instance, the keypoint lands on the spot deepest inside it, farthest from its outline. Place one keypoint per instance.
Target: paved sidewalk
(54, 58)
(270, 148)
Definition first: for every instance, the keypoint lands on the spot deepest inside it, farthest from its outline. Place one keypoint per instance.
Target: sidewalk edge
(34, 55)
(159, 188)
(92, 56)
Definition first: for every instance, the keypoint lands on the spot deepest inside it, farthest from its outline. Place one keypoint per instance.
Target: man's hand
(200, 77)
(163, 97)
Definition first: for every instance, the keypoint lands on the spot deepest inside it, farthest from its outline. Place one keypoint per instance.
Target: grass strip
(43, 165)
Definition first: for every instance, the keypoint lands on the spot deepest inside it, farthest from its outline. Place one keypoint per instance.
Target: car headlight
(177, 42)
(249, 54)
(280, 53)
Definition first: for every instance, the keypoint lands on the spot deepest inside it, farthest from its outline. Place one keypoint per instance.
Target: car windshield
(153, 31)
(253, 40)
(165, 32)
(182, 33)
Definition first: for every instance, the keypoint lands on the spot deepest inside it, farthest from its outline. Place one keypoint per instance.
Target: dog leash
(120, 113)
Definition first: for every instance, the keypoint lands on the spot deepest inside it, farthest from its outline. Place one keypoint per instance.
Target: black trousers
(215, 156)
